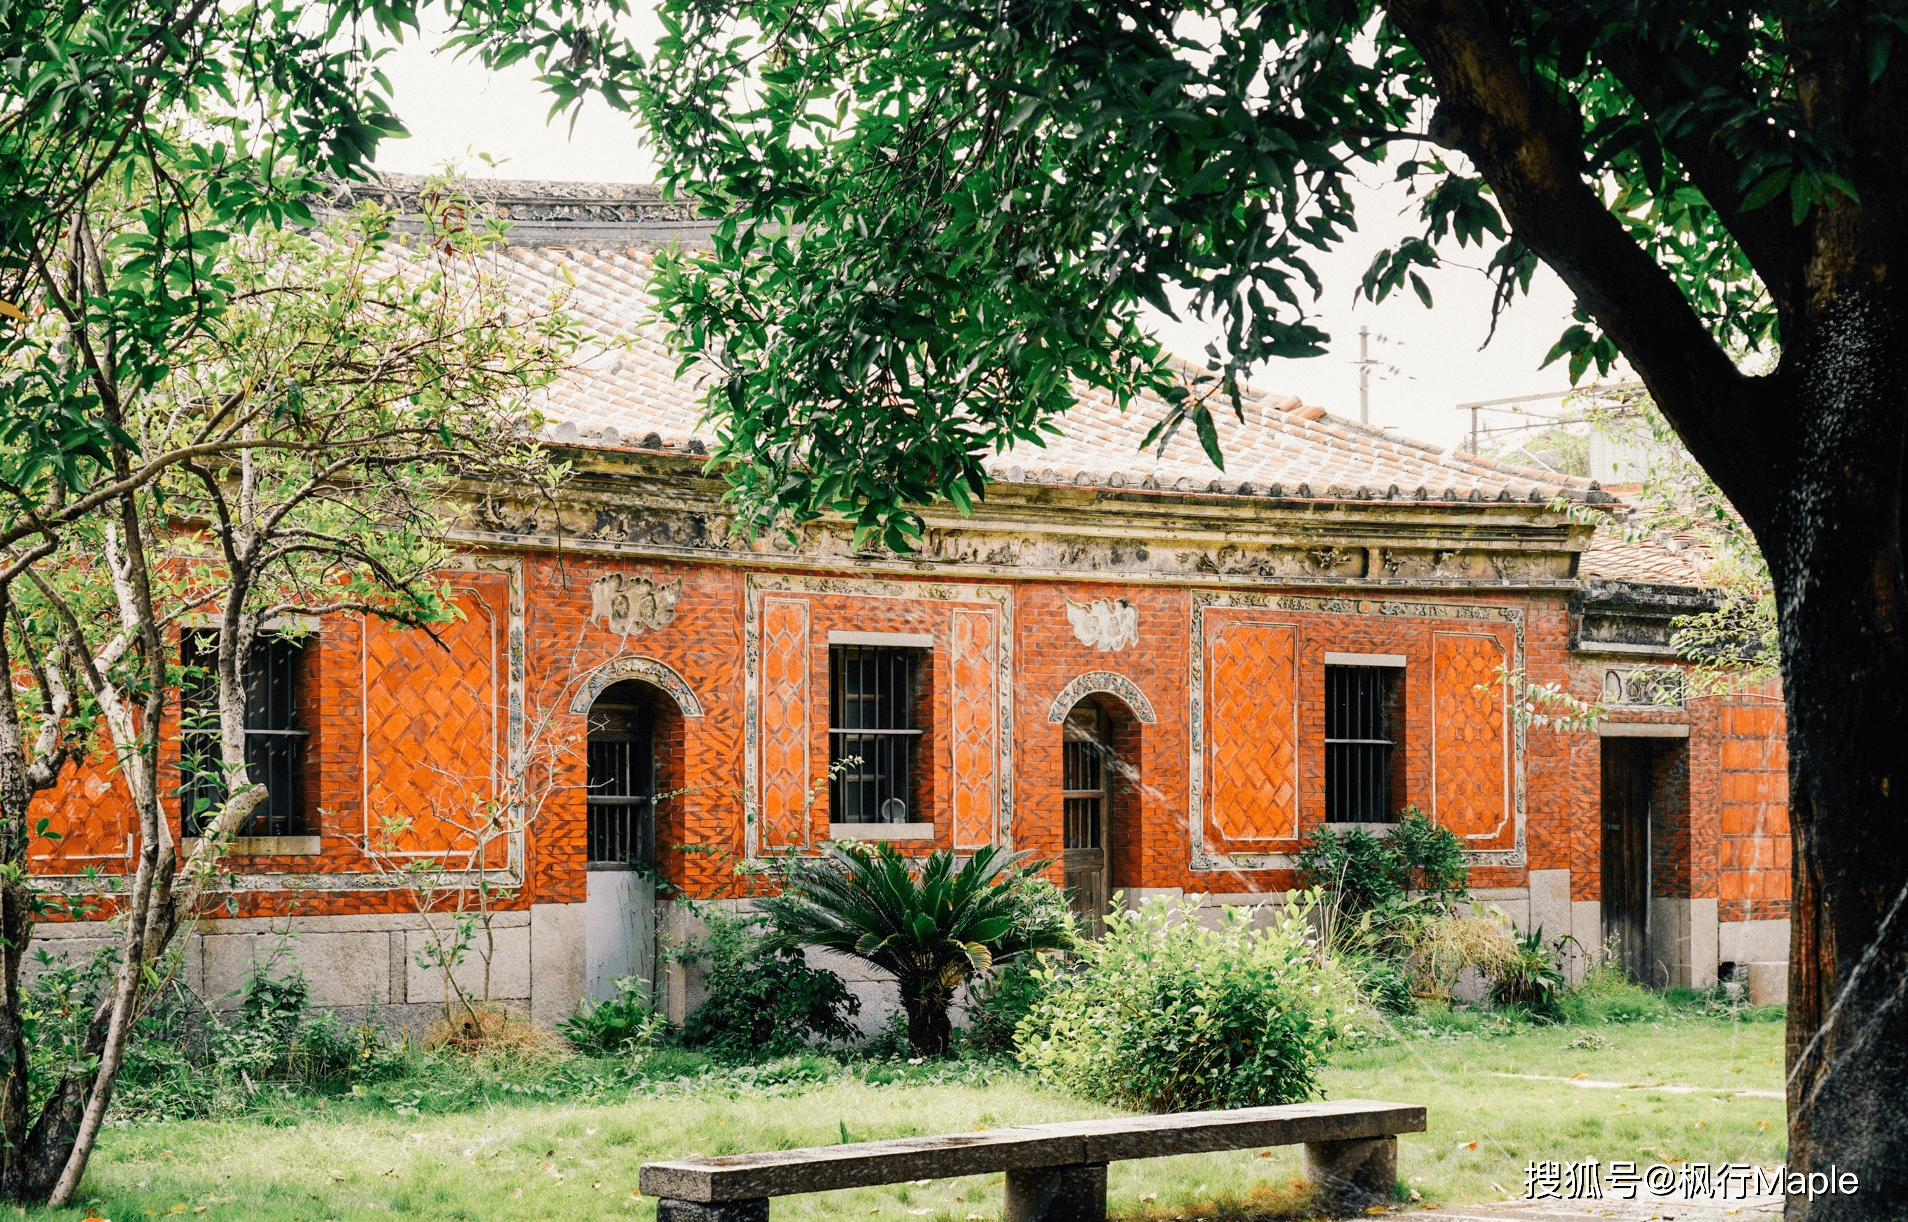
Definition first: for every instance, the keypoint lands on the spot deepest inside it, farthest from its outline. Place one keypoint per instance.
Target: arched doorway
(1099, 797)
(1086, 803)
(619, 914)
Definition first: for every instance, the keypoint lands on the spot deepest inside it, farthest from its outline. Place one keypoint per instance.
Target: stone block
(1352, 1176)
(1550, 902)
(1764, 941)
(1769, 983)
(343, 969)
(509, 965)
(556, 962)
(1071, 1193)
(1683, 943)
(669, 1209)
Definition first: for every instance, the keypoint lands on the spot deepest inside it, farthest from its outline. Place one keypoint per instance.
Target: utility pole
(1364, 376)
(1595, 388)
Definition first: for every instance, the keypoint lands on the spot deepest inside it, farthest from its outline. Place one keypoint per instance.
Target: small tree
(299, 453)
(931, 930)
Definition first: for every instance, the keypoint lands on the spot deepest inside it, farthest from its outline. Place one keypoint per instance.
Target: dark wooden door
(1084, 800)
(1627, 764)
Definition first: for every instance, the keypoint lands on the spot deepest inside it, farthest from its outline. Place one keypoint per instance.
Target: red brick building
(1154, 673)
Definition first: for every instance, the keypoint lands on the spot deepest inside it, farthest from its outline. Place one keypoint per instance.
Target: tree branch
(1489, 111)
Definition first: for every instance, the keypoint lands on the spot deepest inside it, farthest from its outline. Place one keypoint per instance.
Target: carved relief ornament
(630, 605)
(1106, 624)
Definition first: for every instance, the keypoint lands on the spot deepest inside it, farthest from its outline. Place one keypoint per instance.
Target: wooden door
(1086, 803)
(1627, 765)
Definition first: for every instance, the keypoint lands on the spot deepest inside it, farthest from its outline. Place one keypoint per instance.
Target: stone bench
(1055, 1172)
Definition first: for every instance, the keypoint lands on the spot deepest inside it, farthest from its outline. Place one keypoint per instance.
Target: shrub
(1382, 981)
(1606, 994)
(1166, 1014)
(626, 1023)
(931, 928)
(1437, 949)
(763, 996)
(187, 1061)
(1532, 976)
(997, 1002)
(1431, 858)
(1363, 873)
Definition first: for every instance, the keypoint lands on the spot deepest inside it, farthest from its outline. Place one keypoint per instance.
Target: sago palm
(931, 928)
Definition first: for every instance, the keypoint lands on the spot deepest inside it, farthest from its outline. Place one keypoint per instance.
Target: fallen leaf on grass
(1265, 1154)
(1467, 1145)
(1575, 1076)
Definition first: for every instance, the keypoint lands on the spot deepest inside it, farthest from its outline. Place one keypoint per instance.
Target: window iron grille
(274, 743)
(871, 741)
(621, 798)
(1083, 779)
(1358, 743)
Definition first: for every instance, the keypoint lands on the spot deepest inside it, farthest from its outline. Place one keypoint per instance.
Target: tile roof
(623, 393)
(1661, 559)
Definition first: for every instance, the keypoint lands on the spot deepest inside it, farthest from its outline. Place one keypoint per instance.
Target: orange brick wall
(1752, 807)
(407, 725)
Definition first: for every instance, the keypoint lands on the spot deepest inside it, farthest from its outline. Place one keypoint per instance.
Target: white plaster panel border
(649, 670)
(1203, 859)
(1106, 682)
(756, 585)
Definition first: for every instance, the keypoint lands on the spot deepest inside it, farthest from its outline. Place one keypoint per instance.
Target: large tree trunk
(925, 1001)
(1834, 544)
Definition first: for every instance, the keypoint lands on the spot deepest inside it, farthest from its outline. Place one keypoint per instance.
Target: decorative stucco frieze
(1105, 624)
(1109, 682)
(629, 605)
(648, 670)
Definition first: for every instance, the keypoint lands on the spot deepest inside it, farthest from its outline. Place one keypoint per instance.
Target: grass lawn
(356, 1159)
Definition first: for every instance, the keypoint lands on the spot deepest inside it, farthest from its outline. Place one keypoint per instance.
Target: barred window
(870, 708)
(621, 823)
(274, 742)
(1083, 778)
(1360, 718)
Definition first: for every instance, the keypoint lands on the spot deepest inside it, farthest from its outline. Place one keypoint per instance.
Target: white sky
(455, 109)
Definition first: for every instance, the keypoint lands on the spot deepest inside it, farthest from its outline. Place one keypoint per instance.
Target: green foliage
(1606, 994)
(1165, 1014)
(201, 123)
(998, 1001)
(1533, 977)
(1383, 979)
(935, 216)
(185, 1060)
(625, 1024)
(1364, 873)
(931, 928)
(763, 998)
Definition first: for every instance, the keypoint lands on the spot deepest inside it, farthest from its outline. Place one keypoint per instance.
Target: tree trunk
(929, 1029)
(1833, 539)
